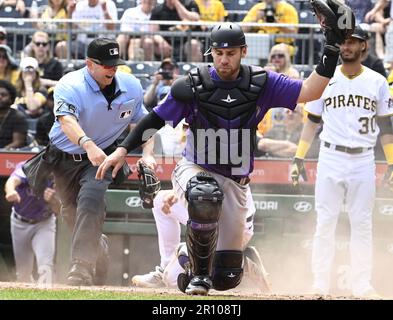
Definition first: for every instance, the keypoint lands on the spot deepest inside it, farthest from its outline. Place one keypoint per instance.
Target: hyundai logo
(302, 206)
(386, 210)
(133, 202)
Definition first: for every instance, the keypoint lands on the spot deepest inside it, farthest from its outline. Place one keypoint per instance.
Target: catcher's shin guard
(204, 198)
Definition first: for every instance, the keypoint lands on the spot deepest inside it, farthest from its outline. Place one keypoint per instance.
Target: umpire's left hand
(116, 160)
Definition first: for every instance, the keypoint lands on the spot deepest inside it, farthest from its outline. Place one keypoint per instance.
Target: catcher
(226, 98)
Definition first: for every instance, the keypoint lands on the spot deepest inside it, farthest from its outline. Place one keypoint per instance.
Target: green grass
(74, 294)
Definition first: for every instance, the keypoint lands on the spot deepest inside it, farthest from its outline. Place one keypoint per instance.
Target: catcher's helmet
(227, 35)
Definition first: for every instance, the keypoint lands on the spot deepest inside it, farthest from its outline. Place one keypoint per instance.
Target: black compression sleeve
(313, 118)
(385, 125)
(143, 131)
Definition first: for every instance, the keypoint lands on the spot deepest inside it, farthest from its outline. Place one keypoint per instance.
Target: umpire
(93, 106)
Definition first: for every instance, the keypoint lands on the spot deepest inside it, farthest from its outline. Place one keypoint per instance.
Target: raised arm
(337, 22)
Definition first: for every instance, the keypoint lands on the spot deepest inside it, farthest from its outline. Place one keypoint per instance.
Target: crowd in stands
(29, 74)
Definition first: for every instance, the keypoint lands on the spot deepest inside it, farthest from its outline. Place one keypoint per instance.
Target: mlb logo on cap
(113, 51)
(106, 51)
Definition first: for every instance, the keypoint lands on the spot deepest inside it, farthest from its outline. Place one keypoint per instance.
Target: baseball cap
(8, 52)
(28, 62)
(106, 51)
(169, 61)
(361, 34)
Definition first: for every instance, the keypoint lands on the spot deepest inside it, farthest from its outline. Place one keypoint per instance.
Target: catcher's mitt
(149, 185)
(336, 19)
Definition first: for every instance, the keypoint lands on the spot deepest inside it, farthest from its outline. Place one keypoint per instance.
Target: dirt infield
(168, 292)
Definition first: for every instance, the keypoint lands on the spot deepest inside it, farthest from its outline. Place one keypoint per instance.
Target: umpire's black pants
(83, 205)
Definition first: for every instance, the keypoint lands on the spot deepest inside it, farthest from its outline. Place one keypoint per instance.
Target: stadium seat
(185, 67)
(144, 80)
(306, 16)
(238, 4)
(142, 68)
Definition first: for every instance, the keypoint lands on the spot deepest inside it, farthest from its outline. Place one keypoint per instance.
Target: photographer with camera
(273, 11)
(163, 77)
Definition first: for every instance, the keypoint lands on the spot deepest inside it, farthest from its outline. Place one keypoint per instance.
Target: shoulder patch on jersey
(64, 106)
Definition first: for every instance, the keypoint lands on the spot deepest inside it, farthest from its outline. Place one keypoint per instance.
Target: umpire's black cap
(105, 51)
(360, 33)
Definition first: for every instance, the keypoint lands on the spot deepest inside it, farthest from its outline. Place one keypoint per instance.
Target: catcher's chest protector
(228, 108)
(228, 104)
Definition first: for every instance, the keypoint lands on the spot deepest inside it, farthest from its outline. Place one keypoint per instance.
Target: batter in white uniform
(350, 107)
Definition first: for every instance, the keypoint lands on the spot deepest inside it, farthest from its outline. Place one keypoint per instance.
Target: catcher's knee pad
(204, 198)
(227, 269)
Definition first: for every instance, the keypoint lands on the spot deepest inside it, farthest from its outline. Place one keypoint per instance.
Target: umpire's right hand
(115, 160)
(297, 170)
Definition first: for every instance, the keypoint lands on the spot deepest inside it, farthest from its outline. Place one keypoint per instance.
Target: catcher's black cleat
(183, 280)
(80, 274)
(199, 285)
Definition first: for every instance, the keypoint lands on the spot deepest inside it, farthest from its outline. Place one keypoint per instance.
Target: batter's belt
(346, 149)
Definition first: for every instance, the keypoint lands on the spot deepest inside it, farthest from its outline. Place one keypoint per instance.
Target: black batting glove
(297, 170)
(388, 178)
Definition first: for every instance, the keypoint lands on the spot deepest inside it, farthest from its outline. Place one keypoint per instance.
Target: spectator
(8, 66)
(279, 61)
(131, 46)
(374, 15)
(100, 10)
(31, 95)
(211, 11)
(163, 77)
(281, 140)
(56, 10)
(176, 10)
(13, 124)
(51, 67)
(273, 11)
(46, 120)
(33, 227)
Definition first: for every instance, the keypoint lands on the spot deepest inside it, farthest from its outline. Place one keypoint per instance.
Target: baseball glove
(336, 19)
(149, 185)
(297, 170)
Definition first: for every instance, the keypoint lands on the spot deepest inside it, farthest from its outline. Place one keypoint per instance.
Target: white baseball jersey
(349, 108)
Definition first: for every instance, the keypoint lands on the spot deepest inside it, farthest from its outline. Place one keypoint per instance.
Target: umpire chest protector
(227, 105)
